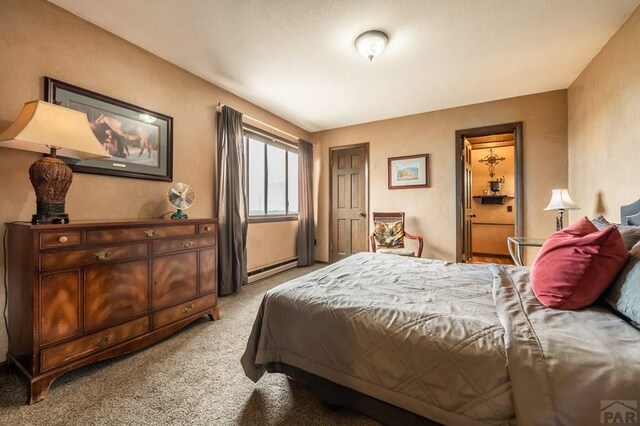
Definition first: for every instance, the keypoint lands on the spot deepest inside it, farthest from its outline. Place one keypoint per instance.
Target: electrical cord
(6, 283)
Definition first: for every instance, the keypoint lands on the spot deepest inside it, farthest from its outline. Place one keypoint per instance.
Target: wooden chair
(391, 217)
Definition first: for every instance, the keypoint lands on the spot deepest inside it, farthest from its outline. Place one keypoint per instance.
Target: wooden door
(349, 202)
(468, 205)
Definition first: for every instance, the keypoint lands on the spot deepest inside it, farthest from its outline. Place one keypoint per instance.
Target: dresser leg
(40, 388)
(214, 314)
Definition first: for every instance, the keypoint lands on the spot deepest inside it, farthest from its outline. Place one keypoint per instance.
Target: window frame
(269, 140)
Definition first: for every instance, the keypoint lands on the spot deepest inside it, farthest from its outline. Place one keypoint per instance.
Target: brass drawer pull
(187, 244)
(150, 233)
(208, 228)
(102, 255)
(188, 308)
(63, 239)
(102, 341)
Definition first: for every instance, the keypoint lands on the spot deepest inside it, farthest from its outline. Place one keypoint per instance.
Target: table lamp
(51, 129)
(561, 201)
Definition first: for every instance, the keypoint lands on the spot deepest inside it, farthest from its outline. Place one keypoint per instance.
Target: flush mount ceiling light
(371, 43)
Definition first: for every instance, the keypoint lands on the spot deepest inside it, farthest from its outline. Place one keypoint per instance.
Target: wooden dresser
(88, 291)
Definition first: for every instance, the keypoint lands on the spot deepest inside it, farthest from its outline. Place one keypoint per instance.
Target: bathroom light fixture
(371, 43)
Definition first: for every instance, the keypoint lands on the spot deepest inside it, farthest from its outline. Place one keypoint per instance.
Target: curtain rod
(219, 109)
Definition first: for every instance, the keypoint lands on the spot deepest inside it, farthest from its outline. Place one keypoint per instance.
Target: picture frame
(139, 141)
(409, 171)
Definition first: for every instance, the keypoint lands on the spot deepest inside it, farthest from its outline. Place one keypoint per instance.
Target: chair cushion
(399, 251)
(389, 234)
(577, 264)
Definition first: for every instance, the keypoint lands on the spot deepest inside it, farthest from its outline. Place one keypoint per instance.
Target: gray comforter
(459, 344)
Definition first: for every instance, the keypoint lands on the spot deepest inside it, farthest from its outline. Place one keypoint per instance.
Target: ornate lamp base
(50, 213)
(51, 179)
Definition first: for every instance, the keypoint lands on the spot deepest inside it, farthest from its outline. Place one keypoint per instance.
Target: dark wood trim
(404, 157)
(364, 145)
(517, 129)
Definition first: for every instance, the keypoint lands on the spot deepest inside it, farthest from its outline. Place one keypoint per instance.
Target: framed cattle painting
(139, 141)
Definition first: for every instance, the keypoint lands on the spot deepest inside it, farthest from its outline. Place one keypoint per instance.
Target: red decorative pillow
(577, 264)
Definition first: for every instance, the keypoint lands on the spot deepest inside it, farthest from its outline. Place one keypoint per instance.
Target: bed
(418, 341)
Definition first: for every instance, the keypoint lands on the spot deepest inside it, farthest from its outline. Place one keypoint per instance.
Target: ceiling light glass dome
(371, 43)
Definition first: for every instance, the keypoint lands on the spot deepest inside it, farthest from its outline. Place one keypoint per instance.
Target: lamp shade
(42, 125)
(371, 43)
(561, 200)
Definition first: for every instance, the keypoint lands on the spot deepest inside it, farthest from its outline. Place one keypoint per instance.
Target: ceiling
(297, 59)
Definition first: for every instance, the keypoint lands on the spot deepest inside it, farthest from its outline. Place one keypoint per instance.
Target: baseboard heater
(268, 271)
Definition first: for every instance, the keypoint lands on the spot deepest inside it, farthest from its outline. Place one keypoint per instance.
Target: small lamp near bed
(561, 201)
(47, 128)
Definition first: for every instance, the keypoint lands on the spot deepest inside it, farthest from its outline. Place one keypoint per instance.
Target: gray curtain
(232, 203)
(306, 234)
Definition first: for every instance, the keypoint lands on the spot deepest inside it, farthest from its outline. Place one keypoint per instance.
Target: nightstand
(516, 245)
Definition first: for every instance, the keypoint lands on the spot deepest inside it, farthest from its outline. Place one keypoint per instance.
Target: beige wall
(271, 243)
(431, 212)
(38, 39)
(604, 127)
(493, 222)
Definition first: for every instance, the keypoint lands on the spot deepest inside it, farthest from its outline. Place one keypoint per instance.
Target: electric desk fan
(181, 197)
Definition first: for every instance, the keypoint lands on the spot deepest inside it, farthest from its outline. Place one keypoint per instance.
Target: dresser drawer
(207, 228)
(59, 239)
(142, 233)
(183, 244)
(184, 310)
(52, 357)
(82, 257)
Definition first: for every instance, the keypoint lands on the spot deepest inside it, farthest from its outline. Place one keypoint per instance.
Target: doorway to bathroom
(489, 192)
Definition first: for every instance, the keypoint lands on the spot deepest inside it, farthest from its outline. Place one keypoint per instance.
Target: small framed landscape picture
(411, 171)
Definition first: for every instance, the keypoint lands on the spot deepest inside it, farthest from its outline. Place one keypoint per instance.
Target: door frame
(364, 145)
(517, 129)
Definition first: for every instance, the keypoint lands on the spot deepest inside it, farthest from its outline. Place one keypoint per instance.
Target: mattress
(454, 343)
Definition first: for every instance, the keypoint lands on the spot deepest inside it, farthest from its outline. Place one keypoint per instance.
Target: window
(272, 171)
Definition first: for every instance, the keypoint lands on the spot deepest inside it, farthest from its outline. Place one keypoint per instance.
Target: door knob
(362, 214)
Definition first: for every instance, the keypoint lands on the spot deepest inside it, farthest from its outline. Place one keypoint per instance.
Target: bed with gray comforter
(454, 343)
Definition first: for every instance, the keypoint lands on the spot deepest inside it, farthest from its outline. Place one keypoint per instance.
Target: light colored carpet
(193, 377)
